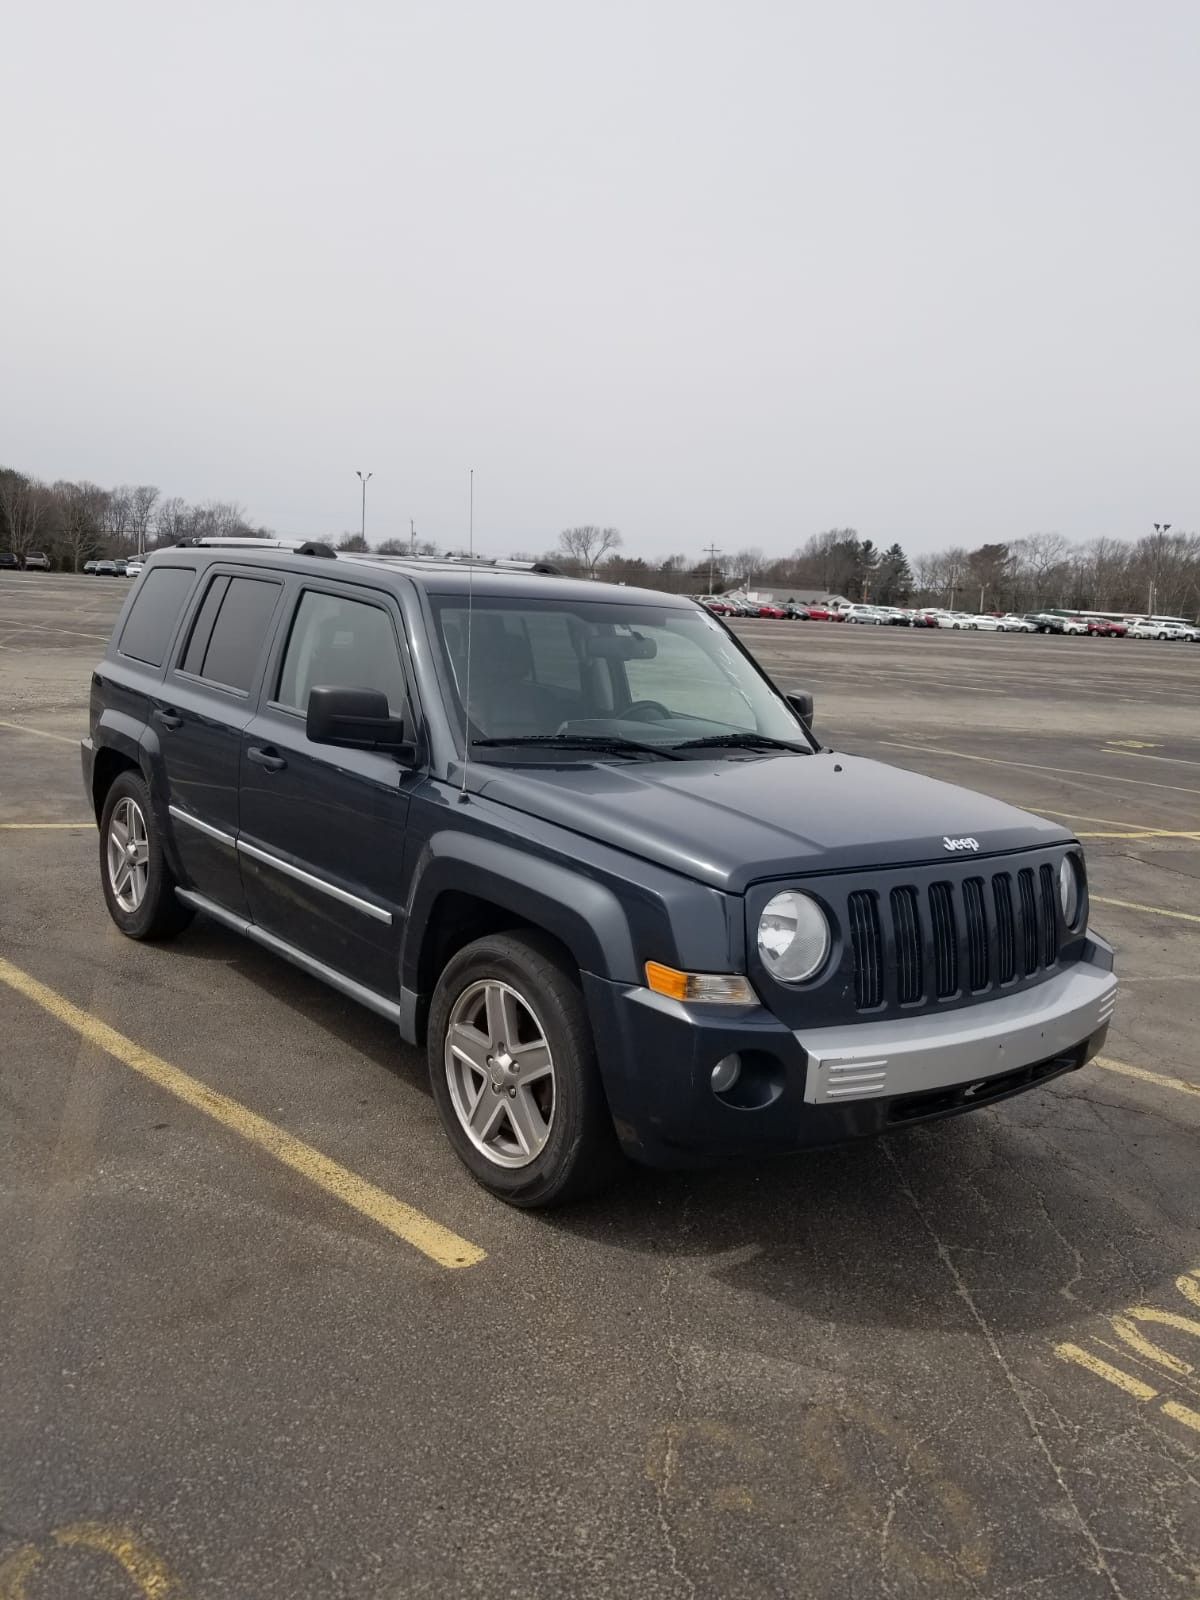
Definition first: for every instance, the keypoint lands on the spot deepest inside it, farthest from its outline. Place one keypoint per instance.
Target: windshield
(616, 680)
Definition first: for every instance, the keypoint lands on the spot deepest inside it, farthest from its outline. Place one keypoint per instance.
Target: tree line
(74, 522)
(1159, 572)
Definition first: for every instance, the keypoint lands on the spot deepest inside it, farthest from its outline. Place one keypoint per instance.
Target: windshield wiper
(743, 741)
(606, 744)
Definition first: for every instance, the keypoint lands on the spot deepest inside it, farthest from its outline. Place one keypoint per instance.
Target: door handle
(169, 719)
(265, 756)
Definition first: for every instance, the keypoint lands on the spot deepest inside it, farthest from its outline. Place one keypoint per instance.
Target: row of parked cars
(939, 617)
(114, 569)
(32, 561)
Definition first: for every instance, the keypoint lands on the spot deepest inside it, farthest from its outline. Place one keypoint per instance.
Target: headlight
(1068, 890)
(793, 936)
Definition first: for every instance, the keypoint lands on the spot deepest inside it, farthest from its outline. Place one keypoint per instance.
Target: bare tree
(354, 541)
(81, 520)
(171, 518)
(25, 507)
(118, 510)
(588, 545)
(142, 501)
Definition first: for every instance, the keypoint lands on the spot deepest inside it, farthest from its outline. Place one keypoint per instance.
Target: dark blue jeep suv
(572, 838)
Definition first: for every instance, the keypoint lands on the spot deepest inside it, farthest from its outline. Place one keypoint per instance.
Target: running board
(316, 969)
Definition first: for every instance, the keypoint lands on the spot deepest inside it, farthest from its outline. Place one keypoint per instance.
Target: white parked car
(1149, 628)
(1074, 625)
(1178, 630)
(1012, 623)
(984, 624)
(953, 619)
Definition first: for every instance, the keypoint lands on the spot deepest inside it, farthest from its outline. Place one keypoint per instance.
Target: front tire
(139, 886)
(513, 1070)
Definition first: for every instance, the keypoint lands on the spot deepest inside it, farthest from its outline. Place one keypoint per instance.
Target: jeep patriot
(572, 839)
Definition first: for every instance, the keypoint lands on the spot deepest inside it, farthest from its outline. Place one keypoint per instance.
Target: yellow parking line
(1146, 833)
(407, 1223)
(1104, 1369)
(1154, 911)
(1109, 822)
(40, 733)
(18, 827)
(1181, 1085)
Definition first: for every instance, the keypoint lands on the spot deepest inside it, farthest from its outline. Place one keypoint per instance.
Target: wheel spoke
(141, 854)
(118, 831)
(500, 1020)
(469, 1045)
(527, 1121)
(485, 1112)
(532, 1061)
(121, 880)
(138, 874)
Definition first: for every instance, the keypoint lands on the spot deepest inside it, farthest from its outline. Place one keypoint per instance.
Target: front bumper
(824, 1085)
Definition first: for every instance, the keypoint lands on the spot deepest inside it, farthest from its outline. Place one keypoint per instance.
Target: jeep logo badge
(961, 844)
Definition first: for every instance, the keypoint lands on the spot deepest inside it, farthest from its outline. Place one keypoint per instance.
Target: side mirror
(358, 719)
(802, 705)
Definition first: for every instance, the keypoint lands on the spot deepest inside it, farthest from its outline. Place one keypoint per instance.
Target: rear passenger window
(151, 622)
(229, 653)
(338, 643)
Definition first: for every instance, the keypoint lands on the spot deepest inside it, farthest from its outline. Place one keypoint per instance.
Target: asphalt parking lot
(260, 1335)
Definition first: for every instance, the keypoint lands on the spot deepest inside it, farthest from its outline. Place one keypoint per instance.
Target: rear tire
(538, 1135)
(138, 884)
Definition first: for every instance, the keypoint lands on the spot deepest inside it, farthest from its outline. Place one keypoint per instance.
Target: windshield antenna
(470, 612)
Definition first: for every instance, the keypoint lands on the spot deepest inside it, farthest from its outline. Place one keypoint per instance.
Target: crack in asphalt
(1102, 1566)
(671, 1444)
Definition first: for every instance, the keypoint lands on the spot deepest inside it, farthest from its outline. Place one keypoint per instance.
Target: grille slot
(1029, 920)
(977, 933)
(1006, 946)
(1049, 917)
(867, 940)
(945, 940)
(907, 928)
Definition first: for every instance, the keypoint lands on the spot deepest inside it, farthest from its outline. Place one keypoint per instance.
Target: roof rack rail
(205, 541)
(494, 563)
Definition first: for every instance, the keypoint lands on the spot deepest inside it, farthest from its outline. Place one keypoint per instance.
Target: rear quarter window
(239, 632)
(155, 611)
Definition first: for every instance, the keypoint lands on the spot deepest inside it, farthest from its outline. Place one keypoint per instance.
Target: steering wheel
(645, 711)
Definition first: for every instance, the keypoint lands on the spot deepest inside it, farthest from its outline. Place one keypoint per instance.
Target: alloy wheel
(128, 855)
(500, 1073)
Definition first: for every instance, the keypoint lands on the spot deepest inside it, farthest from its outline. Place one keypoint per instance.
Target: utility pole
(712, 552)
(1160, 530)
(364, 479)
(412, 537)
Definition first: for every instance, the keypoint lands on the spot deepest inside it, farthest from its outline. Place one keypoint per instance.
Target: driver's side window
(339, 643)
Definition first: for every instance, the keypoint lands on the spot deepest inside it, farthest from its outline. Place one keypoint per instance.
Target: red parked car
(824, 614)
(772, 611)
(1103, 628)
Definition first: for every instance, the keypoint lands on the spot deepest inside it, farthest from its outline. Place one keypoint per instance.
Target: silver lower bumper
(911, 1055)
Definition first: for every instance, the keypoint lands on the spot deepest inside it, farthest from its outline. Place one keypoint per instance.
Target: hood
(730, 823)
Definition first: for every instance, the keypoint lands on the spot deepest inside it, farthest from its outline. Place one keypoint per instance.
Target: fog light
(726, 1073)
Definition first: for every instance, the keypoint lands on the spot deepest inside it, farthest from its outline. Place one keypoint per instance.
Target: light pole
(1160, 528)
(712, 552)
(412, 537)
(364, 478)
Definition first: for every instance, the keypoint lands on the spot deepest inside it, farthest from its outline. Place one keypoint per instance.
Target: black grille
(909, 966)
(931, 942)
(977, 933)
(945, 939)
(868, 949)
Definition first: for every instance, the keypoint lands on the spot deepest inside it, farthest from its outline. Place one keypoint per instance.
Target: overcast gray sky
(730, 272)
